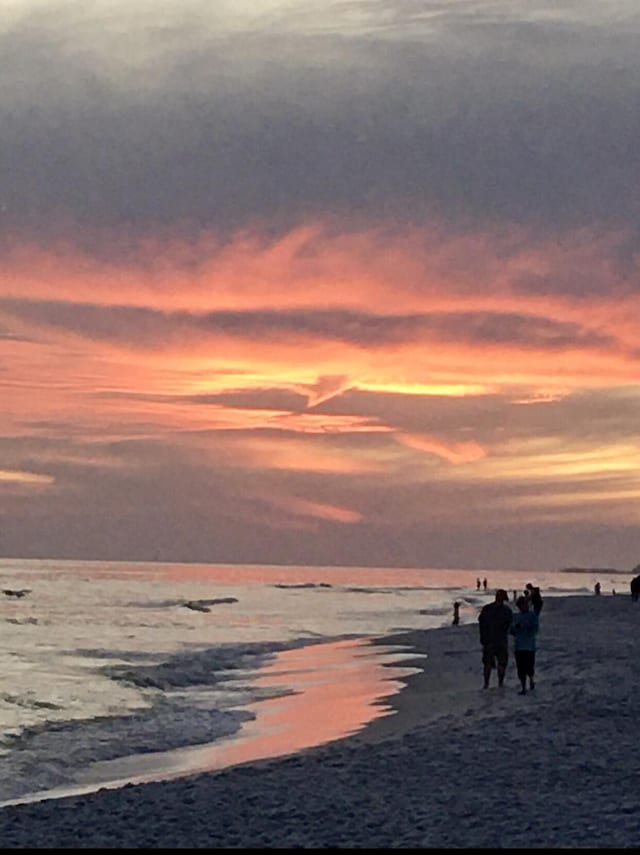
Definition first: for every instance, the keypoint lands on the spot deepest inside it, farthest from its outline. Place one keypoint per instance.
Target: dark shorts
(495, 652)
(525, 663)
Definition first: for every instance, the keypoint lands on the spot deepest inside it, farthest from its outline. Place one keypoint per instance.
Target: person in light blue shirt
(524, 628)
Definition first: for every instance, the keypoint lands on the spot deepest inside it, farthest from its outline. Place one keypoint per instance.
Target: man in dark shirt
(494, 621)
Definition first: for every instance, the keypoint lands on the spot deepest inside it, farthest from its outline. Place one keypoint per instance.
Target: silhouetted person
(515, 596)
(456, 614)
(524, 629)
(477, 584)
(534, 597)
(494, 621)
(596, 588)
(484, 584)
(635, 588)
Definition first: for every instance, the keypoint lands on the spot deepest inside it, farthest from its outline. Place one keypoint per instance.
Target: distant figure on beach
(494, 622)
(535, 598)
(596, 588)
(635, 588)
(456, 614)
(484, 584)
(524, 629)
(515, 596)
(477, 584)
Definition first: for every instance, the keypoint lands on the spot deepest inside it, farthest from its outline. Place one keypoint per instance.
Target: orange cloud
(25, 479)
(294, 454)
(453, 452)
(324, 389)
(320, 510)
(162, 344)
(322, 265)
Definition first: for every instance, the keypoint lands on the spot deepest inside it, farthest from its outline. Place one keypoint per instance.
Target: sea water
(116, 671)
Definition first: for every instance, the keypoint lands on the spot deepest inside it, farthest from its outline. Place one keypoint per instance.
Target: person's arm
(482, 625)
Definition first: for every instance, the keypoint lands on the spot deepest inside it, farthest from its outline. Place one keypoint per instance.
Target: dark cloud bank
(491, 115)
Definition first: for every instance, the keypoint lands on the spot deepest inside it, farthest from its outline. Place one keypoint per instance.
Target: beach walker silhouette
(635, 588)
(524, 628)
(494, 622)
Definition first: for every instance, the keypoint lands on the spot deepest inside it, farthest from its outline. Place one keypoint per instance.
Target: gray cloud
(173, 507)
(485, 112)
(600, 416)
(149, 328)
(251, 399)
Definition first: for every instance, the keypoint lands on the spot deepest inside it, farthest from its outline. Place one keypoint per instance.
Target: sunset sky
(338, 282)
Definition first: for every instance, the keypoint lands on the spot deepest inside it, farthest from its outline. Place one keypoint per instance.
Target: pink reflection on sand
(339, 687)
(335, 689)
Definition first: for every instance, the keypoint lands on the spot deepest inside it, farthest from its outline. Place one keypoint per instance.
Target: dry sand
(455, 767)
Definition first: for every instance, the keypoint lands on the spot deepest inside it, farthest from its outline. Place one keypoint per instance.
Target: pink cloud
(453, 452)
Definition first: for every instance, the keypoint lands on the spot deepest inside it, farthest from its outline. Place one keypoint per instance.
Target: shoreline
(453, 766)
(309, 701)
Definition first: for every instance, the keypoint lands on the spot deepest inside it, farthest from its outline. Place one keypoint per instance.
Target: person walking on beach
(456, 614)
(484, 584)
(524, 628)
(535, 598)
(494, 621)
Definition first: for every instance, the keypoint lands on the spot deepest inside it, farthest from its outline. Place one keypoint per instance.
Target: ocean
(115, 672)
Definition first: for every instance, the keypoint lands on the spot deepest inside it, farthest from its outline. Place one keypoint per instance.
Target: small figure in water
(477, 584)
(456, 614)
(515, 596)
(484, 584)
(596, 588)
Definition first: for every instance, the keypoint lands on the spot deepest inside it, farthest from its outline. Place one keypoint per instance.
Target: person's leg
(521, 667)
(532, 669)
(487, 663)
(502, 656)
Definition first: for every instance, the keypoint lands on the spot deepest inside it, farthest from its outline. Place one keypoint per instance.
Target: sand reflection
(334, 690)
(339, 687)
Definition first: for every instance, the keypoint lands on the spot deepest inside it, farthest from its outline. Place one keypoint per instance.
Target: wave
(303, 585)
(195, 697)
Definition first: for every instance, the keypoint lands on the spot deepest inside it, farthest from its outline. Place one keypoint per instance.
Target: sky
(342, 283)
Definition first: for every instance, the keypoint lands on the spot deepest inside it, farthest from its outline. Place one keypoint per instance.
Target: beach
(453, 766)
